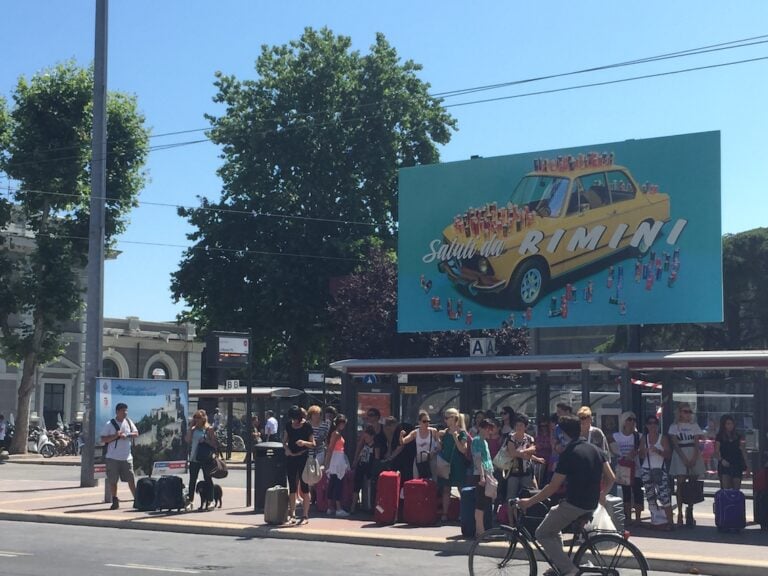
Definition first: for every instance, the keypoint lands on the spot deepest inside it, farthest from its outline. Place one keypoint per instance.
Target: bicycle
(509, 550)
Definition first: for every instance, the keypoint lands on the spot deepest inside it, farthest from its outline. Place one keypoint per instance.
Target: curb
(679, 563)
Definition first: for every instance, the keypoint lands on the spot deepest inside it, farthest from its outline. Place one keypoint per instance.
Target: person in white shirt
(2, 432)
(687, 462)
(118, 435)
(270, 427)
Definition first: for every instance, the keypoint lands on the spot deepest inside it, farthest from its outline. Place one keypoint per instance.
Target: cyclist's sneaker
(550, 572)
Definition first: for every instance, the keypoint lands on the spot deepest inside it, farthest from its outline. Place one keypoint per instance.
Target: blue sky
(167, 52)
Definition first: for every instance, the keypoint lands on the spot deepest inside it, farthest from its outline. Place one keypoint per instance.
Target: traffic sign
(370, 379)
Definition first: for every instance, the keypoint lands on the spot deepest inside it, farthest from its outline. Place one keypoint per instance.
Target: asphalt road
(29, 549)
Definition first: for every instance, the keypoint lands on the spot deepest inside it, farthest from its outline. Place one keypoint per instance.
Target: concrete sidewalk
(700, 550)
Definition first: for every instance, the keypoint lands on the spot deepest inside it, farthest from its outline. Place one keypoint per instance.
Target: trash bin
(268, 471)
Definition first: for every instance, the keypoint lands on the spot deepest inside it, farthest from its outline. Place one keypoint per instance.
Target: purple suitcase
(730, 510)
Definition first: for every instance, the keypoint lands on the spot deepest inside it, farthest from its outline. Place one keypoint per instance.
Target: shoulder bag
(692, 490)
(216, 467)
(491, 485)
(312, 471)
(625, 472)
(503, 461)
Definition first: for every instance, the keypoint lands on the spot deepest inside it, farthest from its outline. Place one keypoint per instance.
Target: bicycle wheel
(500, 551)
(610, 555)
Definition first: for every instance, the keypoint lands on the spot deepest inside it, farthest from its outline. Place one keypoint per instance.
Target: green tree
(363, 315)
(48, 157)
(311, 151)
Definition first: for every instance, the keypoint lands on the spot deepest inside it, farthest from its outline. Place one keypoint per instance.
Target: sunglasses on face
(687, 411)
(425, 421)
(584, 417)
(652, 423)
(630, 419)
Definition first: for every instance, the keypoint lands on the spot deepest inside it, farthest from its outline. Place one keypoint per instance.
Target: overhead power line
(730, 45)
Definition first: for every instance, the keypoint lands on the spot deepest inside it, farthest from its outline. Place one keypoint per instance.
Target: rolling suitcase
(276, 505)
(169, 494)
(145, 494)
(761, 509)
(321, 494)
(730, 510)
(366, 496)
(467, 513)
(454, 508)
(348, 490)
(420, 502)
(387, 497)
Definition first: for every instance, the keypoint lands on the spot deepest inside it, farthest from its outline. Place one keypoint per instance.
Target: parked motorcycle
(39, 443)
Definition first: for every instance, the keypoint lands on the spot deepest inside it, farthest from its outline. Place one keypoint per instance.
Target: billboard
(158, 408)
(618, 233)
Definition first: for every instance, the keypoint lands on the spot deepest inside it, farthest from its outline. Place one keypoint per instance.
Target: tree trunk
(26, 389)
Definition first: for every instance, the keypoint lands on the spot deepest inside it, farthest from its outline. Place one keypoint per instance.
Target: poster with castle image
(158, 408)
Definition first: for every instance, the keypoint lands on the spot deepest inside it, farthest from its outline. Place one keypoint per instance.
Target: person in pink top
(336, 466)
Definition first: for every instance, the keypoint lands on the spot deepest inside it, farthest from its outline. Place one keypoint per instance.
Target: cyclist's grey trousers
(549, 535)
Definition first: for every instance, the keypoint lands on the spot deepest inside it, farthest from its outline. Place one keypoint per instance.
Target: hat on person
(626, 416)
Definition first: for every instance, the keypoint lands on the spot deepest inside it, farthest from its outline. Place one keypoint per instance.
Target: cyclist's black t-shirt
(582, 465)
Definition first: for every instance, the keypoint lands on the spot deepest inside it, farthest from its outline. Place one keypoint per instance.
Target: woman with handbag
(203, 445)
(453, 441)
(427, 442)
(298, 439)
(626, 445)
(521, 449)
(485, 484)
(687, 465)
(655, 452)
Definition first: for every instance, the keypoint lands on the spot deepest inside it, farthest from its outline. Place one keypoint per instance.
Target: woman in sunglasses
(654, 453)
(687, 462)
(427, 443)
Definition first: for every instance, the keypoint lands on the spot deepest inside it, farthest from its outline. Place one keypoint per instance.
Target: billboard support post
(249, 424)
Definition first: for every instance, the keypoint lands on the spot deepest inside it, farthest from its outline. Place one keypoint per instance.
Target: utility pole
(95, 293)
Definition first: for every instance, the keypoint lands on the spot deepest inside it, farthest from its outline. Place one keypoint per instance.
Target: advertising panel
(619, 233)
(158, 408)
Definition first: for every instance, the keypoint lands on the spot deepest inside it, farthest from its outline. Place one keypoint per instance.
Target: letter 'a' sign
(619, 233)
(482, 347)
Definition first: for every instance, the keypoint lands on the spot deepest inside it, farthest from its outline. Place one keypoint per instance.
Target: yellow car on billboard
(567, 214)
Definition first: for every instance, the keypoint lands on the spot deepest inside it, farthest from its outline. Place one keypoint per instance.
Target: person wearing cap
(626, 445)
(684, 433)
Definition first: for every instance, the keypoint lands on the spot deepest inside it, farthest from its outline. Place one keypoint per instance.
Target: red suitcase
(420, 502)
(348, 490)
(321, 494)
(387, 497)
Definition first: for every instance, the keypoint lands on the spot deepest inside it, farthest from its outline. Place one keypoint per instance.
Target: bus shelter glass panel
(515, 390)
(564, 387)
(605, 400)
(435, 395)
(711, 396)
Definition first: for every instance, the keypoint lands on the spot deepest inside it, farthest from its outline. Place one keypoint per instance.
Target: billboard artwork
(158, 408)
(619, 233)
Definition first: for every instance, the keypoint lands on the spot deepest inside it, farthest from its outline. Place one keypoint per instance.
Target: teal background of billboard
(687, 167)
(140, 396)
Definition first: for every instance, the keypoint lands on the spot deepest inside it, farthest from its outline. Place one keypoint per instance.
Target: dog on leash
(204, 490)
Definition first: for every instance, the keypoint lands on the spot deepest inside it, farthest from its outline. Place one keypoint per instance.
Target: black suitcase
(169, 494)
(145, 494)
(761, 509)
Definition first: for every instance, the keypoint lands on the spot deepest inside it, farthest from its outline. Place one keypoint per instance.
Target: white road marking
(9, 554)
(155, 568)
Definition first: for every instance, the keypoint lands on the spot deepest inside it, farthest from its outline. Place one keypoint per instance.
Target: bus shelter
(713, 382)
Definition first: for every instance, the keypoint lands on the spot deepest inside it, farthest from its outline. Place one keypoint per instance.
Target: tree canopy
(311, 150)
(47, 156)
(363, 316)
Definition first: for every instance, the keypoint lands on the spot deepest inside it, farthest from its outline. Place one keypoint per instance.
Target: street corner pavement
(703, 549)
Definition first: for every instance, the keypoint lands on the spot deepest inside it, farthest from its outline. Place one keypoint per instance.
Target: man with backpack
(117, 435)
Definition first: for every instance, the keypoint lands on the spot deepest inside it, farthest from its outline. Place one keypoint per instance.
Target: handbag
(442, 467)
(503, 461)
(491, 486)
(217, 468)
(625, 472)
(204, 452)
(312, 471)
(692, 491)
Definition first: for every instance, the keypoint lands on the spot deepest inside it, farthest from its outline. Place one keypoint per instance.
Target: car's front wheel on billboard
(528, 282)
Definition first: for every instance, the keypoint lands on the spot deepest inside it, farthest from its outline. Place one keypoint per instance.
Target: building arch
(119, 360)
(172, 370)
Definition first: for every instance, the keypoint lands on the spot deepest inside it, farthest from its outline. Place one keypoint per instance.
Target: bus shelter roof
(700, 360)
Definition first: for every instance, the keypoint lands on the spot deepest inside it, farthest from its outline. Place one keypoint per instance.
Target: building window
(159, 366)
(53, 405)
(109, 368)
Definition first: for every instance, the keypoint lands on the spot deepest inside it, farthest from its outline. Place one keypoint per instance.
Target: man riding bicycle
(588, 477)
